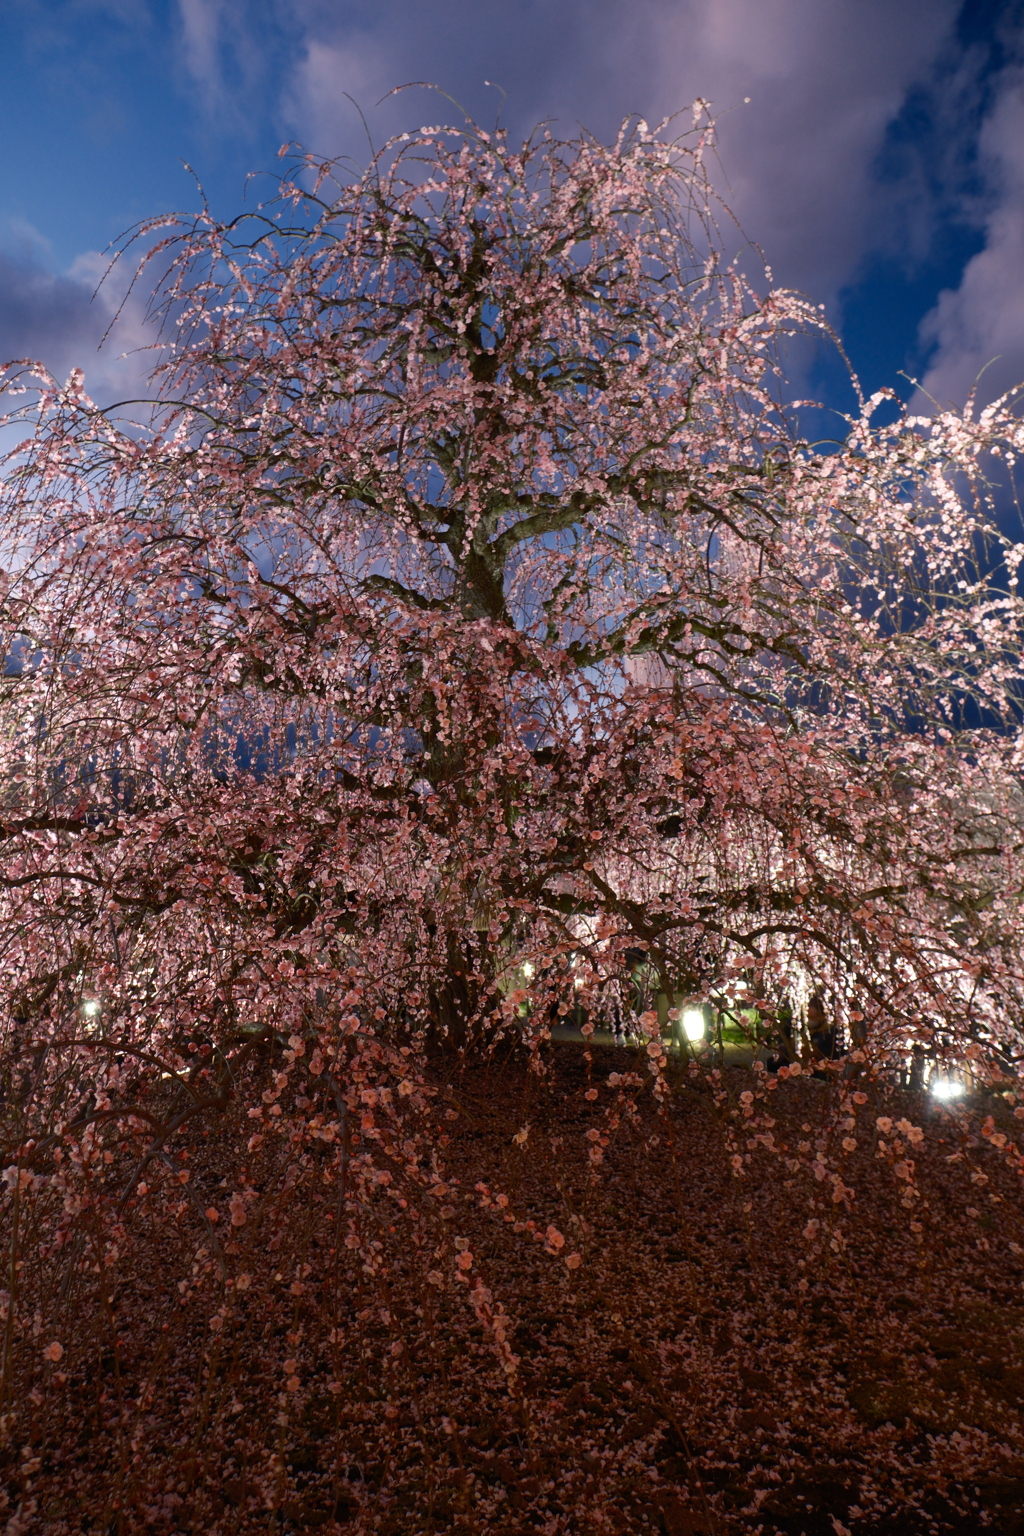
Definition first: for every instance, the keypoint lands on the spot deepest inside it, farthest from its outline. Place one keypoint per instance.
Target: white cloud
(317, 96)
(825, 83)
(201, 22)
(76, 319)
(980, 324)
(227, 49)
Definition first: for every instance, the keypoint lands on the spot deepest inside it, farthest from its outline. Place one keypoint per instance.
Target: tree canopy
(468, 598)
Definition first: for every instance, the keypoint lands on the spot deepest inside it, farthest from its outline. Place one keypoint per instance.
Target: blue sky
(879, 162)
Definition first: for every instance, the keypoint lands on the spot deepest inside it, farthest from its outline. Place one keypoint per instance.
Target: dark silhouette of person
(784, 1037)
(626, 994)
(824, 1036)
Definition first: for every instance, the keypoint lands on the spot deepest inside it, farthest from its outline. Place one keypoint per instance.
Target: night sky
(879, 162)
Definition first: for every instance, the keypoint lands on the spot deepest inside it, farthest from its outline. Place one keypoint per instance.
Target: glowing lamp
(945, 1088)
(527, 969)
(693, 1024)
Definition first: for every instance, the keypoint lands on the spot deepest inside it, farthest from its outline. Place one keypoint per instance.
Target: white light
(527, 970)
(91, 1008)
(578, 983)
(946, 1088)
(693, 1024)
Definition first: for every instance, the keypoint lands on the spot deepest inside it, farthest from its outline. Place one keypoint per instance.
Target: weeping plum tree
(466, 598)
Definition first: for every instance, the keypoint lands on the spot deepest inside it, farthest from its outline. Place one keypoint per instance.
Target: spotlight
(946, 1088)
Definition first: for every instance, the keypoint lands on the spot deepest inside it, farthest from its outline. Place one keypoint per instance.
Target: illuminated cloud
(977, 329)
(127, 89)
(824, 83)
